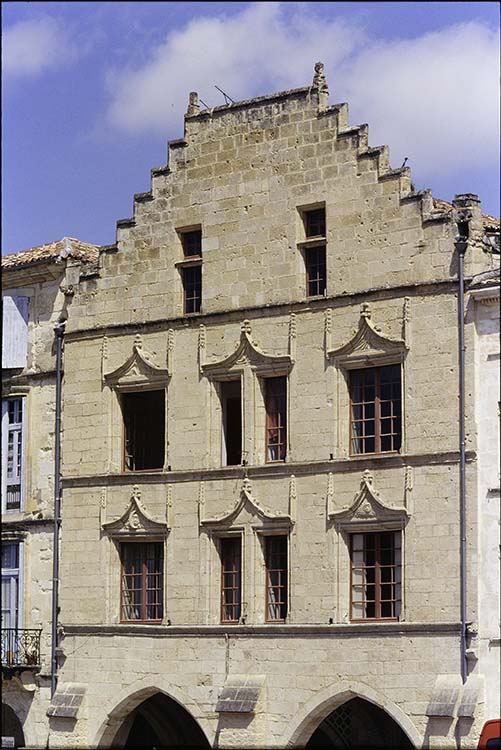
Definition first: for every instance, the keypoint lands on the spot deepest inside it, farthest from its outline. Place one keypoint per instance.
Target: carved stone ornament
(368, 511)
(139, 369)
(247, 352)
(367, 345)
(248, 508)
(135, 522)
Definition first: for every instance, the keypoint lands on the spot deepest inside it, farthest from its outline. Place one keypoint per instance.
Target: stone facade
(483, 314)
(38, 284)
(246, 176)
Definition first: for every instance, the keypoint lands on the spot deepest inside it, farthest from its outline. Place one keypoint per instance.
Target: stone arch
(21, 702)
(12, 725)
(120, 707)
(323, 703)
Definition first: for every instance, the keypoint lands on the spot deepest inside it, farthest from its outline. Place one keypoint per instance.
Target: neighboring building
(261, 537)
(36, 292)
(483, 315)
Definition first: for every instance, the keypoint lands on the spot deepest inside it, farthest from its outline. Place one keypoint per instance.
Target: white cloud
(432, 98)
(254, 52)
(30, 47)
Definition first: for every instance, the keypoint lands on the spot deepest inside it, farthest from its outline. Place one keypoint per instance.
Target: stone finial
(319, 79)
(367, 478)
(320, 85)
(245, 327)
(193, 105)
(365, 311)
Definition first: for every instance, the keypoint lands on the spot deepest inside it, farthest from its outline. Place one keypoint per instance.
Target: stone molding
(300, 468)
(246, 352)
(138, 371)
(366, 345)
(245, 502)
(367, 511)
(135, 522)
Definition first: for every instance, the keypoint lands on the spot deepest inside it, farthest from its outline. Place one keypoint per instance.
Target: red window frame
(375, 410)
(316, 271)
(231, 579)
(276, 418)
(376, 575)
(276, 565)
(192, 288)
(141, 588)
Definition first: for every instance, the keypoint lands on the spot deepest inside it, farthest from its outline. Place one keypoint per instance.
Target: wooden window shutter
(15, 332)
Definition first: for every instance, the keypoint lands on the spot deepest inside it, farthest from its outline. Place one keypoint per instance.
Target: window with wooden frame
(314, 250)
(144, 430)
(376, 575)
(376, 410)
(13, 453)
(276, 418)
(142, 581)
(231, 578)
(276, 563)
(191, 269)
(231, 402)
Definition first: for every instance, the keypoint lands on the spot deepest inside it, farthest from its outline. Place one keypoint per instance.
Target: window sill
(375, 454)
(195, 260)
(374, 620)
(312, 241)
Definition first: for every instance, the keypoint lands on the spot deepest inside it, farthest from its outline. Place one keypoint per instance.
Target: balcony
(20, 650)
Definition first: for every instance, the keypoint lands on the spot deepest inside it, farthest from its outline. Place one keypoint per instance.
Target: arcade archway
(158, 723)
(11, 726)
(358, 723)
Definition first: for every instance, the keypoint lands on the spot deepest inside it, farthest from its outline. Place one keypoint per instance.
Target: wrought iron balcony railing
(20, 648)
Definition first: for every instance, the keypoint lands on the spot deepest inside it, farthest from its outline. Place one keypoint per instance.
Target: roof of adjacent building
(68, 247)
(491, 224)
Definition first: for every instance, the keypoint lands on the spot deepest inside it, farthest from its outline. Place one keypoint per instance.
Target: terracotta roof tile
(68, 247)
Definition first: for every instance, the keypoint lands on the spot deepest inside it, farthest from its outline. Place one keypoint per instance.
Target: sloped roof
(68, 247)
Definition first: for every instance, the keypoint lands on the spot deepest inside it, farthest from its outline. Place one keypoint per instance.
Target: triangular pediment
(368, 343)
(139, 369)
(247, 510)
(135, 522)
(368, 510)
(248, 352)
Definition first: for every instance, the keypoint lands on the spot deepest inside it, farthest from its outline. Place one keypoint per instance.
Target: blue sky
(92, 91)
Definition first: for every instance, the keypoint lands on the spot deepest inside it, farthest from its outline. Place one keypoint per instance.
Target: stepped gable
(432, 209)
(68, 247)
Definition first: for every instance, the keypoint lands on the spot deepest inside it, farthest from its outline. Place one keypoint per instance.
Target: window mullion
(377, 412)
(377, 576)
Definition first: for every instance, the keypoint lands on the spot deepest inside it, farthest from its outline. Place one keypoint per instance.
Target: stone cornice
(299, 468)
(347, 630)
(221, 317)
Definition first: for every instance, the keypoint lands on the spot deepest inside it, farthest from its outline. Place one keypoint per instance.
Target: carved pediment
(368, 510)
(139, 369)
(247, 510)
(367, 343)
(248, 352)
(135, 522)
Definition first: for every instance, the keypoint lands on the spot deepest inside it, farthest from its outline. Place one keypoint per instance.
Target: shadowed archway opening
(159, 723)
(11, 726)
(359, 724)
